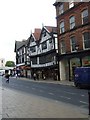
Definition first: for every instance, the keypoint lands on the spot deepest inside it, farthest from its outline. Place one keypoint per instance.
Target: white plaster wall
(2, 64)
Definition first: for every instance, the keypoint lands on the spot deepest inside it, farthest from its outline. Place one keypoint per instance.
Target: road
(68, 95)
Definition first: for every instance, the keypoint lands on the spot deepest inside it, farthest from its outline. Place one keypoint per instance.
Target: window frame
(73, 43)
(86, 40)
(44, 45)
(63, 47)
(72, 21)
(84, 16)
(62, 27)
(33, 49)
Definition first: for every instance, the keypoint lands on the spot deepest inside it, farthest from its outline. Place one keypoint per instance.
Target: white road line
(83, 102)
(51, 93)
(41, 90)
(33, 88)
(69, 92)
(65, 97)
(27, 86)
(82, 95)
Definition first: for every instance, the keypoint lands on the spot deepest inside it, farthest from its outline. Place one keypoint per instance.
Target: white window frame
(73, 43)
(72, 22)
(84, 15)
(85, 41)
(62, 29)
(63, 48)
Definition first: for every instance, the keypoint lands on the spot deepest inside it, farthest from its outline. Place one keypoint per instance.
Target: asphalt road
(58, 92)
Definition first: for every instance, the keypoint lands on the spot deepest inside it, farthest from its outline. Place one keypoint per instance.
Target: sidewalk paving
(63, 82)
(17, 104)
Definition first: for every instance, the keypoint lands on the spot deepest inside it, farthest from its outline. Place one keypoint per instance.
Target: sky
(18, 18)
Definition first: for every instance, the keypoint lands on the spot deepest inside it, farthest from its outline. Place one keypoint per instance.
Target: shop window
(42, 59)
(33, 60)
(86, 61)
(86, 40)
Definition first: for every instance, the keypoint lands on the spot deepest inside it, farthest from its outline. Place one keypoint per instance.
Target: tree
(10, 64)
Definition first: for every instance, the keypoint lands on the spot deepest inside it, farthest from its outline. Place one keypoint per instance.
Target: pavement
(63, 82)
(17, 104)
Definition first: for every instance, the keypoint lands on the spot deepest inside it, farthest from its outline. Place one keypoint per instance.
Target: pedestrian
(34, 76)
(44, 77)
(16, 75)
(7, 77)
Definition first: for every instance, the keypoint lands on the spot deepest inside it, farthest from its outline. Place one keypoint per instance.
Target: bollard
(89, 100)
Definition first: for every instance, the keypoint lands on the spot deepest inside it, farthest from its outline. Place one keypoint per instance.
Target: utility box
(82, 77)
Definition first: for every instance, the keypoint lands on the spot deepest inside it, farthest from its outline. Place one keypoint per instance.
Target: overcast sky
(18, 18)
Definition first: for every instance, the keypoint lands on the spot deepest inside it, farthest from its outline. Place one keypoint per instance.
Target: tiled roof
(51, 29)
(37, 33)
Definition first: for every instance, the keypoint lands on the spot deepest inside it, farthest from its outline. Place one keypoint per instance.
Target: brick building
(73, 23)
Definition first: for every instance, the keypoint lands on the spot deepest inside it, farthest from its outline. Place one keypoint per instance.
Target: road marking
(33, 88)
(41, 90)
(65, 97)
(56, 101)
(83, 102)
(69, 92)
(51, 93)
(82, 95)
(27, 87)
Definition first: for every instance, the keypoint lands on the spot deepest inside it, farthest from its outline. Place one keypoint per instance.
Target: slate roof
(19, 44)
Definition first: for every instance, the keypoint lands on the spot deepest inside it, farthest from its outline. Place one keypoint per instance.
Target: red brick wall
(78, 22)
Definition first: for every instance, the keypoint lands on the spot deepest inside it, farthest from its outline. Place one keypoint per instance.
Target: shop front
(68, 63)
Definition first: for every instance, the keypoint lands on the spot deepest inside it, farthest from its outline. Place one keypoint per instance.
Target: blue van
(82, 77)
